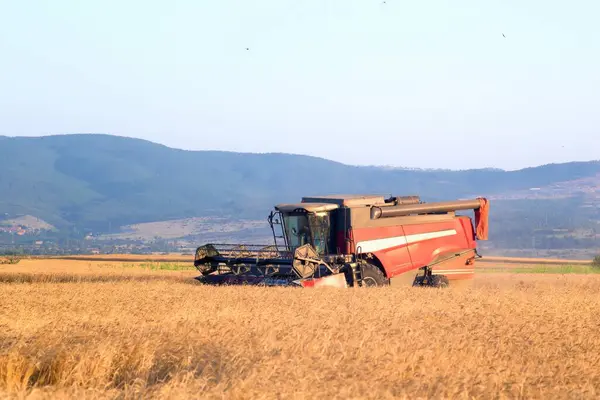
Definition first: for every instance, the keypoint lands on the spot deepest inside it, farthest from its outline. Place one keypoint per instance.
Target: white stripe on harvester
(370, 246)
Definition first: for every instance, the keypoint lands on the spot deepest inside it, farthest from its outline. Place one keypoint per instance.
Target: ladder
(357, 270)
(357, 276)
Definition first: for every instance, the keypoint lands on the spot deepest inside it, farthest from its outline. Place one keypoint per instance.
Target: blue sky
(418, 83)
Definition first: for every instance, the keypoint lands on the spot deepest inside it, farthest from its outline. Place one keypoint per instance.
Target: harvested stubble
(509, 336)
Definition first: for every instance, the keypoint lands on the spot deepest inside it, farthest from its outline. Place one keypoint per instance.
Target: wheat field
(73, 329)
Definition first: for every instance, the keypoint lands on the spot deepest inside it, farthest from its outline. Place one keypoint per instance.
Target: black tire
(373, 276)
(440, 281)
(418, 280)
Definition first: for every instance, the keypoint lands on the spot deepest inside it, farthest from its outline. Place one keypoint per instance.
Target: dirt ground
(142, 332)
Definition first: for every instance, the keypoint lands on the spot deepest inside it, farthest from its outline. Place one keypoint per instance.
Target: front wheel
(373, 276)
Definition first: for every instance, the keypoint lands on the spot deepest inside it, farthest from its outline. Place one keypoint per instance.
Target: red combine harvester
(355, 240)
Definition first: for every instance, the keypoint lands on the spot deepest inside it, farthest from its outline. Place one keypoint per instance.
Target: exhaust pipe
(401, 200)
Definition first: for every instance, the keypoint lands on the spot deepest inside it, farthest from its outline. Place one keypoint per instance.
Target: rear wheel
(430, 280)
(439, 281)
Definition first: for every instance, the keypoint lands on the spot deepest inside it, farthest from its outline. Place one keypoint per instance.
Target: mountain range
(93, 182)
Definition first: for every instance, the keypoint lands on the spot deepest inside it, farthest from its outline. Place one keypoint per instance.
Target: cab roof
(308, 207)
(347, 200)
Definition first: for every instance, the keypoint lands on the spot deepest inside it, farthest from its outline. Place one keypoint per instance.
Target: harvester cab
(297, 225)
(355, 240)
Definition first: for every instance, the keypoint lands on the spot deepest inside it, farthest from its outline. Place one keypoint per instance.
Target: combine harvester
(355, 240)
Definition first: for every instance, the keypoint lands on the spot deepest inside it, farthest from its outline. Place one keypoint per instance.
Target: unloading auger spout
(479, 205)
(422, 208)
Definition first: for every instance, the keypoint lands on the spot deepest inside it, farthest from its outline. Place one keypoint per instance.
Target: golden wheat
(510, 336)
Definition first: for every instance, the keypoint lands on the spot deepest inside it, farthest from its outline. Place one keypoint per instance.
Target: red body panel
(334, 281)
(408, 247)
(342, 243)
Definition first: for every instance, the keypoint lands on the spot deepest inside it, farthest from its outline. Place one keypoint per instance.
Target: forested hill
(91, 181)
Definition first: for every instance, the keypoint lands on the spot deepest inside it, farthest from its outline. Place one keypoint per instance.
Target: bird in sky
(503, 35)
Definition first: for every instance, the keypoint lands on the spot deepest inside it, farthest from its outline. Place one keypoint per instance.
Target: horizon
(382, 166)
(505, 85)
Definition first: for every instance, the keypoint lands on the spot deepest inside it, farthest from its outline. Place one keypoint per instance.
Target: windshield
(319, 223)
(297, 230)
(303, 228)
